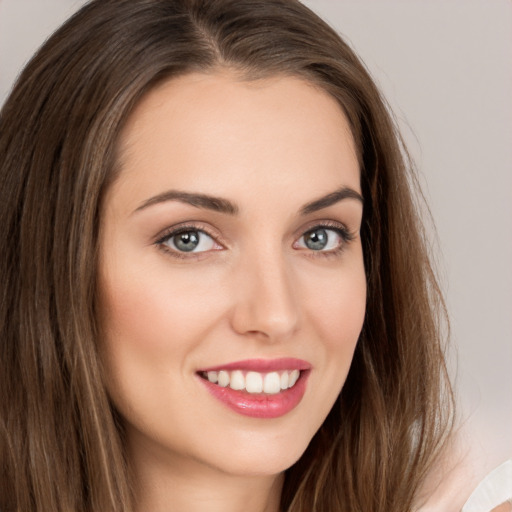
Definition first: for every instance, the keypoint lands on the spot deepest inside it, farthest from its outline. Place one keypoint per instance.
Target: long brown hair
(61, 442)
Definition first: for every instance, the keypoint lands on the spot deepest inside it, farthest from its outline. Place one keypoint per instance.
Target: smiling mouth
(259, 388)
(270, 383)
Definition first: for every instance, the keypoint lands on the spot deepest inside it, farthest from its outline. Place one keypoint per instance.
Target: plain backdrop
(446, 70)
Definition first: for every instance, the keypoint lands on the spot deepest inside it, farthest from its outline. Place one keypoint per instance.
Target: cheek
(150, 324)
(154, 311)
(135, 318)
(336, 311)
(154, 324)
(337, 308)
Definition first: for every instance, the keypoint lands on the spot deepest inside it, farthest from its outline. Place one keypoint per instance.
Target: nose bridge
(265, 299)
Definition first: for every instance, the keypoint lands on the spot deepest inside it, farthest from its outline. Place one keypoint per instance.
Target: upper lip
(262, 365)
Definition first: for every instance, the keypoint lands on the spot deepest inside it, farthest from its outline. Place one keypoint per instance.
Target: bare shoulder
(504, 507)
(457, 484)
(494, 492)
(450, 482)
(461, 481)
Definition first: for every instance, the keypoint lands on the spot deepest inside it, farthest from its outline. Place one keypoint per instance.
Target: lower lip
(260, 405)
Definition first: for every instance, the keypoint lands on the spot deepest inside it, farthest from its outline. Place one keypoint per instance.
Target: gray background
(446, 69)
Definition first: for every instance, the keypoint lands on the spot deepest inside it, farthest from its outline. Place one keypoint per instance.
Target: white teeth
(223, 378)
(254, 382)
(294, 375)
(272, 383)
(237, 380)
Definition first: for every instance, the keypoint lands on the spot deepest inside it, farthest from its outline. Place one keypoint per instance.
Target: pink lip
(260, 405)
(262, 365)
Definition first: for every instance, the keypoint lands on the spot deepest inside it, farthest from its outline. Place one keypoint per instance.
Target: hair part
(61, 442)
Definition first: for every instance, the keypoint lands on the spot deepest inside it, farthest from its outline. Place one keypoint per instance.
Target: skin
(504, 507)
(257, 291)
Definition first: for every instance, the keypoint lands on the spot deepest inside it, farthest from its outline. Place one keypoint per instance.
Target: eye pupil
(316, 240)
(186, 241)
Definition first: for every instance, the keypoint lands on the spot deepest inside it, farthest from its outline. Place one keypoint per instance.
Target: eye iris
(186, 241)
(316, 240)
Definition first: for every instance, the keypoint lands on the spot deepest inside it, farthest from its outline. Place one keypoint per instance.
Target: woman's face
(230, 264)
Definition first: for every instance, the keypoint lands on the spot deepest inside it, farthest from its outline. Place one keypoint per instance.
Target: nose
(265, 302)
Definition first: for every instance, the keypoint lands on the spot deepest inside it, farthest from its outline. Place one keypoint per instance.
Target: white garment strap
(495, 489)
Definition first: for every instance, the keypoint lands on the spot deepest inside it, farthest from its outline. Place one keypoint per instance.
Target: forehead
(216, 133)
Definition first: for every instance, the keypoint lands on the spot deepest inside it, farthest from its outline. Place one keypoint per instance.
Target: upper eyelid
(171, 232)
(342, 231)
(200, 226)
(186, 226)
(316, 224)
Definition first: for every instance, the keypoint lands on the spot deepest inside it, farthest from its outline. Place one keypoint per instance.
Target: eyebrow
(216, 204)
(221, 205)
(330, 199)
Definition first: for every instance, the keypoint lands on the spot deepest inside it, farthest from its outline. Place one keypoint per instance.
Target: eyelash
(172, 232)
(345, 235)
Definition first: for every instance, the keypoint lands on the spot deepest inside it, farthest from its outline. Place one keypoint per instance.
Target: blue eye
(190, 240)
(322, 239)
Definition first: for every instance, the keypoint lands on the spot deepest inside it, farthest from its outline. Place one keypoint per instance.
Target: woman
(216, 284)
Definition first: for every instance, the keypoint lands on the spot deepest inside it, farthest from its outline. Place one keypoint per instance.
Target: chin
(261, 457)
